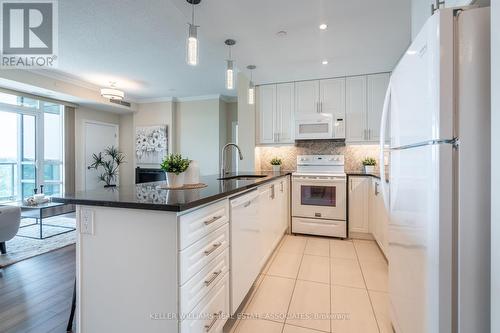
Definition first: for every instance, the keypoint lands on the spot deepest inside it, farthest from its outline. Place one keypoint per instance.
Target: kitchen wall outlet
(87, 221)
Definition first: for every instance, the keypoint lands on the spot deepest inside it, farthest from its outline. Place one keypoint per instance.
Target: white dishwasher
(245, 245)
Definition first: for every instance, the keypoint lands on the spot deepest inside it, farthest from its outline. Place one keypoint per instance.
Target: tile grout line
(294, 286)
(367, 291)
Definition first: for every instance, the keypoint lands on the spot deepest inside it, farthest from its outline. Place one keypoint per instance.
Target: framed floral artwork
(151, 144)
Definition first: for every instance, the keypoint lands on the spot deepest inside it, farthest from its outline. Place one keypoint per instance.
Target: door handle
(212, 279)
(272, 191)
(214, 320)
(215, 246)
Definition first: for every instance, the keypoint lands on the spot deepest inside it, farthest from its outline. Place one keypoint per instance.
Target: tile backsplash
(354, 154)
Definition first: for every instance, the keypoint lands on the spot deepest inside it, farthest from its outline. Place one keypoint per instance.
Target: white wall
(200, 132)
(495, 162)
(82, 114)
(246, 126)
(127, 145)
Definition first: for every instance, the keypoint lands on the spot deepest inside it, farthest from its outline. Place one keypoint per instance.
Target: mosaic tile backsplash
(354, 154)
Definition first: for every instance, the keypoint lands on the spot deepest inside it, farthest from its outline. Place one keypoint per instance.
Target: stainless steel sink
(242, 177)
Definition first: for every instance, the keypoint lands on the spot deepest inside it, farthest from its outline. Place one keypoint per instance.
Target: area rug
(20, 248)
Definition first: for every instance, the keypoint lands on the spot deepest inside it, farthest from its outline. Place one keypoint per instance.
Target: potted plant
(174, 166)
(276, 163)
(369, 163)
(109, 160)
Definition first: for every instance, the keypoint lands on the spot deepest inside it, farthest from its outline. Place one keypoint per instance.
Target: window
(31, 147)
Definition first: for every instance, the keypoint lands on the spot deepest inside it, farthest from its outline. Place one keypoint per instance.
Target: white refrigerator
(438, 195)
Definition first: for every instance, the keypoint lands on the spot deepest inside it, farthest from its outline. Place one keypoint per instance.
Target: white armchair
(10, 219)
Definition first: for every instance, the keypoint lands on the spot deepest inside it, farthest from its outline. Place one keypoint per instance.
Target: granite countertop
(148, 196)
(375, 174)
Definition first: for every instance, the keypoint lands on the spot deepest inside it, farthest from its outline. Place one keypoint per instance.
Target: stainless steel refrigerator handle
(453, 142)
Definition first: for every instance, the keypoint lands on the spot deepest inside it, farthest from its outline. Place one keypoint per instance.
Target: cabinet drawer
(332, 228)
(196, 256)
(195, 225)
(211, 313)
(200, 284)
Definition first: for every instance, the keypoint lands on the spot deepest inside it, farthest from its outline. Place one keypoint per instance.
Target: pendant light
(230, 66)
(192, 45)
(251, 86)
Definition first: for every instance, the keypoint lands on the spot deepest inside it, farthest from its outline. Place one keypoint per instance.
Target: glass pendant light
(230, 66)
(251, 86)
(192, 40)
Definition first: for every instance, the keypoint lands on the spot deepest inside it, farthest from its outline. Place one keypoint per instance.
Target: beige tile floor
(314, 284)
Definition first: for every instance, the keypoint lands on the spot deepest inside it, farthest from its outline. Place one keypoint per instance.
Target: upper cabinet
(307, 97)
(339, 108)
(275, 113)
(364, 102)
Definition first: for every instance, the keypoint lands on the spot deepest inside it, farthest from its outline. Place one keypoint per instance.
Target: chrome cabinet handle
(212, 220)
(214, 247)
(272, 192)
(281, 187)
(212, 279)
(248, 203)
(214, 320)
(376, 189)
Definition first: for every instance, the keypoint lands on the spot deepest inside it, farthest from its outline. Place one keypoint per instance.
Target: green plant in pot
(369, 164)
(174, 166)
(109, 161)
(276, 163)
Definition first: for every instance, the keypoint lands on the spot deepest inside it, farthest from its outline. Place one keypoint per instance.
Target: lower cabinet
(367, 212)
(358, 204)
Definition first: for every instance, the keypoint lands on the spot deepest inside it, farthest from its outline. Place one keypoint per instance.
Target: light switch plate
(87, 221)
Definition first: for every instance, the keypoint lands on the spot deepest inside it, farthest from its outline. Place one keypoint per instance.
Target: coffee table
(41, 212)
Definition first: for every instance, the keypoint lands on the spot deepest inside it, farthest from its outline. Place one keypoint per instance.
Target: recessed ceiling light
(324, 62)
(323, 26)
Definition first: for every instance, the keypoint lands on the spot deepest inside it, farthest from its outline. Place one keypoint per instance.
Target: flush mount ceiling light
(323, 26)
(324, 62)
(230, 65)
(281, 33)
(251, 86)
(112, 93)
(192, 40)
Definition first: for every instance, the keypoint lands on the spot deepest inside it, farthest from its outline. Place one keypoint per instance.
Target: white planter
(276, 168)
(369, 168)
(174, 180)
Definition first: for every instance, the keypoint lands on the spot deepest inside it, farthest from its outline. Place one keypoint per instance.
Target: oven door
(319, 197)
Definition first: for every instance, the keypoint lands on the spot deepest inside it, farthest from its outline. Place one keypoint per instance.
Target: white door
(377, 86)
(332, 93)
(98, 136)
(356, 109)
(307, 97)
(266, 96)
(285, 112)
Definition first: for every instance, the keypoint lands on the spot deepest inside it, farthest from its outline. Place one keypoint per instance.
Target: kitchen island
(154, 260)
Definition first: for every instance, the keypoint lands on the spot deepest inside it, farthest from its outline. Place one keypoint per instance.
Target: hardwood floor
(35, 294)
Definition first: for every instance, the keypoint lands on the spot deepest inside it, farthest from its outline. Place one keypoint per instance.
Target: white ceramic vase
(276, 168)
(174, 180)
(369, 168)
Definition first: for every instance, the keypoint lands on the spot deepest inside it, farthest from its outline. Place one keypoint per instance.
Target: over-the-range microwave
(319, 126)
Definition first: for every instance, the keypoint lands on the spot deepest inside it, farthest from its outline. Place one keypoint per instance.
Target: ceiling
(141, 44)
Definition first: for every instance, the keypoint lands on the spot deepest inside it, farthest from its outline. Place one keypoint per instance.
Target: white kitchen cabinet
(378, 216)
(275, 113)
(358, 204)
(266, 111)
(376, 88)
(332, 101)
(283, 193)
(364, 102)
(285, 112)
(356, 109)
(307, 97)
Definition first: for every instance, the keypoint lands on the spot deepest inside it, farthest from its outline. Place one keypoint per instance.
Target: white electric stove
(319, 196)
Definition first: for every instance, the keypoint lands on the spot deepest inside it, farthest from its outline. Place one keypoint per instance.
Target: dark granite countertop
(148, 196)
(364, 174)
